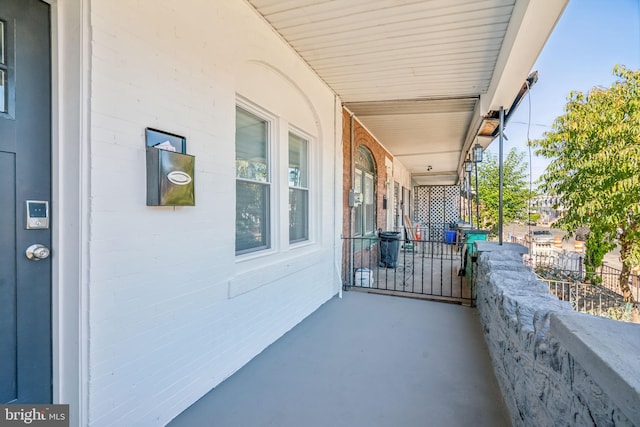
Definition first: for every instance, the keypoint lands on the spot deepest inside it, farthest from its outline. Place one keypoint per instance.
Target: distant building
(549, 207)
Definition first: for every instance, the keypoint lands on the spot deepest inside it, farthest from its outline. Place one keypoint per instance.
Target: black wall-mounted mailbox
(170, 173)
(170, 178)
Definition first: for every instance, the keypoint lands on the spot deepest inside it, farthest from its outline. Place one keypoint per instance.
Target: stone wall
(554, 366)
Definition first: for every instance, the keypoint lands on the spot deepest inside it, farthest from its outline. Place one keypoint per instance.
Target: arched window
(365, 184)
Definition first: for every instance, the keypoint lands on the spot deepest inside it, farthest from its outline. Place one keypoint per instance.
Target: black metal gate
(438, 269)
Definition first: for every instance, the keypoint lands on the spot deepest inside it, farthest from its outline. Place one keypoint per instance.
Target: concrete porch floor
(364, 360)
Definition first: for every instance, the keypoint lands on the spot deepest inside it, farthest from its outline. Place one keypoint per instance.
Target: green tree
(595, 167)
(515, 190)
(596, 248)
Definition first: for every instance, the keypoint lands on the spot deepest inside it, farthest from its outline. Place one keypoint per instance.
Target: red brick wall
(362, 137)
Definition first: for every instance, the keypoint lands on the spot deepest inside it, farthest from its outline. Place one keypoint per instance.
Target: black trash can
(389, 248)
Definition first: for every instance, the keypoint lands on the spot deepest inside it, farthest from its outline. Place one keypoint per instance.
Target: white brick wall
(401, 174)
(172, 311)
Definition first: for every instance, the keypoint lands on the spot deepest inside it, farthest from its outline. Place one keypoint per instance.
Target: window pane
(297, 161)
(298, 196)
(369, 216)
(2, 45)
(358, 210)
(3, 73)
(364, 161)
(368, 189)
(251, 146)
(252, 216)
(368, 204)
(298, 215)
(3, 92)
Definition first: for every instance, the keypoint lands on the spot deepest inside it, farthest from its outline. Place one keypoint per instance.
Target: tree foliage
(596, 248)
(515, 192)
(595, 151)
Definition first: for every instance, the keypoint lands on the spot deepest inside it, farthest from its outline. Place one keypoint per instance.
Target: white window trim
(278, 150)
(273, 165)
(311, 187)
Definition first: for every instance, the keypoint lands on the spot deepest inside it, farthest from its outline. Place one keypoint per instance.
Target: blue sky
(590, 38)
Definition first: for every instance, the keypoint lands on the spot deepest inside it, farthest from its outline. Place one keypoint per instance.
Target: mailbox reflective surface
(170, 178)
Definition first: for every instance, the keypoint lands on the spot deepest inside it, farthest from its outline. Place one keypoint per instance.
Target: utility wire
(530, 169)
(529, 124)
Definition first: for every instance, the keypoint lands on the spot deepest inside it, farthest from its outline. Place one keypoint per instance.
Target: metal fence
(589, 298)
(571, 265)
(610, 279)
(431, 268)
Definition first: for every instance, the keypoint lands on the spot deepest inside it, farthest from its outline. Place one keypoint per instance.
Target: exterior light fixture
(477, 153)
(468, 166)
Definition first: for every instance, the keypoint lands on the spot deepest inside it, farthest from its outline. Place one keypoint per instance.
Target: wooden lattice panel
(435, 208)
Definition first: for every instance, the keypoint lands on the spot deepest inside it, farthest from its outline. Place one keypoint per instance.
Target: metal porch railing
(590, 298)
(571, 265)
(427, 268)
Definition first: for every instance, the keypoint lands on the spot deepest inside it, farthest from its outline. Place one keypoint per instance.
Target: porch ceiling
(420, 75)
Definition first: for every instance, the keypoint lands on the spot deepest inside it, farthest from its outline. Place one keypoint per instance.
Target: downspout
(351, 205)
(335, 173)
(528, 84)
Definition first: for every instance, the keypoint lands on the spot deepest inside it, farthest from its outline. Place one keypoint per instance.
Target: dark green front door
(25, 175)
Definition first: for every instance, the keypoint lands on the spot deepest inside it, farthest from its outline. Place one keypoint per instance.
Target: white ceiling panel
(414, 72)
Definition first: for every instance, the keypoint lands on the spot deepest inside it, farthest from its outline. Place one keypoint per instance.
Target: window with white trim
(365, 214)
(298, 188)
(253, 182)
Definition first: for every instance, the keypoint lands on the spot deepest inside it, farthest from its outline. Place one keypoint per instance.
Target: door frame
(70, 113)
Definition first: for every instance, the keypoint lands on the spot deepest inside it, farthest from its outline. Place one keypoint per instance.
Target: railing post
(600, 304)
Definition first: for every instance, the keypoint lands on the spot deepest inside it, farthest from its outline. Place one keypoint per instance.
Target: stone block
(534, 361)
